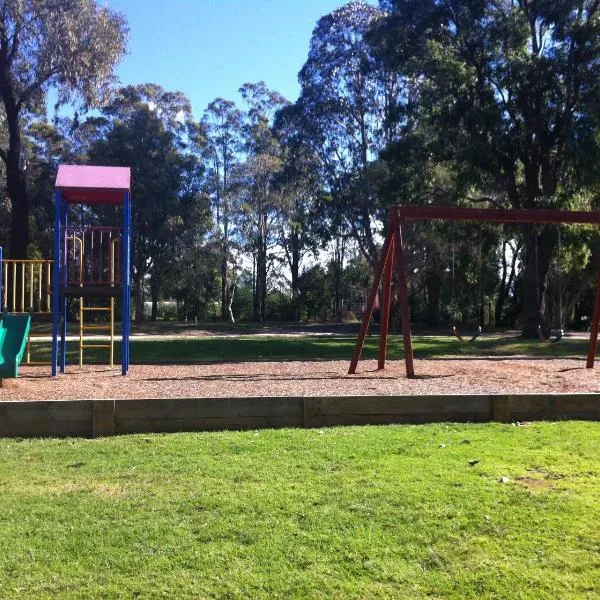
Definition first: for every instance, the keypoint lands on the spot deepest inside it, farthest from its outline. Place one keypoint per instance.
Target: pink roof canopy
(93, 185)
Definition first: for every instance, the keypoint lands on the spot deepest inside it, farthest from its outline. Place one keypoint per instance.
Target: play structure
(91, 268)
(14, 331)
(392, 257)
(91, 262)
(14, 334)
(24, 294)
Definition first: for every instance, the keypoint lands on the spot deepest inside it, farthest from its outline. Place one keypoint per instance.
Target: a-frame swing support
(392, 258)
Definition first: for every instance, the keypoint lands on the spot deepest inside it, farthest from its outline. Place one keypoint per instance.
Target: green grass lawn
(318, 348)
(369, 512)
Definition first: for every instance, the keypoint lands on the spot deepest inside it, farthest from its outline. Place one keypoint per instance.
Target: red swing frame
(392, 255)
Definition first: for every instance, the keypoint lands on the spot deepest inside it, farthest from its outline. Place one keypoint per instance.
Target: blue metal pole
(1, 279)
(63, 333)
(126, 283)
(56, 281)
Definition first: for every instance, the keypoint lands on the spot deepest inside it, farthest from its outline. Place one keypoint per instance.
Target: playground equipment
(554, 335)
(25, 289)
(457, 333)
(91, 261)
(14, 332)
(392, 255)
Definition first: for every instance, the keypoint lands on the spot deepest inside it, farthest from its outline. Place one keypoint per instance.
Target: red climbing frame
(392, 256)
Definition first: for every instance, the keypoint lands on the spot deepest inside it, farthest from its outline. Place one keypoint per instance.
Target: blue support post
(63, 336)
(1, 279)
(58, 210)
(63, 332)
(126, 283)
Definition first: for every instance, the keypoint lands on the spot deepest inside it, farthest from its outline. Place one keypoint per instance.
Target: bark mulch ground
(296, 378)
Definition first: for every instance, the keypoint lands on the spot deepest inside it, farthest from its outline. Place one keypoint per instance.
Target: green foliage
(315, 294)
(345, 101)
(145, 131)
(470, 103)
(71, 46)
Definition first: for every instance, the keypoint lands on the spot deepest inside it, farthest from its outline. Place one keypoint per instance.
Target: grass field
(371, 512)
(190, 349)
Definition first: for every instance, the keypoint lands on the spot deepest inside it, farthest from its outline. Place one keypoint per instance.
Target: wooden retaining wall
(93, 418)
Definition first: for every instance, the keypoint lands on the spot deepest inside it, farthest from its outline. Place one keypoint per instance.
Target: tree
(70, 45)
(505, 94)
(148, 132)
(299, 189)
(258, 201)
(222, 123)
(346, 99)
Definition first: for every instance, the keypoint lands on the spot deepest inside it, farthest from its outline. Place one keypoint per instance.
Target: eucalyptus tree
(258, 201)
(300, 190)
(71, 46)
(222, 123)
(505, 94)
(346, 100)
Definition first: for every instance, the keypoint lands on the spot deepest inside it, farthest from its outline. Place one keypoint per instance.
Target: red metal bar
(593, 344)
(537, 215)
(364, 328)
(403, 298)
(384, 318)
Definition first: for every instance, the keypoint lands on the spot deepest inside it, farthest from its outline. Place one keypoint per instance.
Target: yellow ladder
(109, 328)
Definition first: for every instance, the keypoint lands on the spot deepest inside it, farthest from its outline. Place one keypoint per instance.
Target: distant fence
(93, 418)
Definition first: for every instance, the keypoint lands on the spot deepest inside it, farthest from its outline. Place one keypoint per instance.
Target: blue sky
(209, 48)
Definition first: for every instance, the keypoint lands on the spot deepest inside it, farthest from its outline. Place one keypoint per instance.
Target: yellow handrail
(31, 273)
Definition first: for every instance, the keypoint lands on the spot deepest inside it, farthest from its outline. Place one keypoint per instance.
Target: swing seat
(460, 338)
(555, 335)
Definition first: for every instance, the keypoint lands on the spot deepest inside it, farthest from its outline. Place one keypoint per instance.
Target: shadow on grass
(305, 348)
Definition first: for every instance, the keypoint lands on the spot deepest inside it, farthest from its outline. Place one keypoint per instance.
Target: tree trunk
(537, 259)
(338, 270)
(19, 230)
(224, 299)
(16, 188)
(295, 273)
(255, 291)
(231, 295)
(263, 281)
(154, 313)
(139, 300)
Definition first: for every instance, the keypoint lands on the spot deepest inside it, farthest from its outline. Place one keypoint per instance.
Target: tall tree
(148, 132)
(506, 93)
(299, 189)
(72, 46)
(346, 99)
(222, 123)
(258, 198)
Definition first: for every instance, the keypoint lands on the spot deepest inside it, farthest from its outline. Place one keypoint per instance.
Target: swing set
(553, 336)
(479, 330)
(392, 257)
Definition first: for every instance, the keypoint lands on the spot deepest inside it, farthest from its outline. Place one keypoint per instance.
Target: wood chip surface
(296, 378)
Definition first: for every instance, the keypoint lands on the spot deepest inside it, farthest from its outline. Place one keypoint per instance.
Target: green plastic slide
(14, 330)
